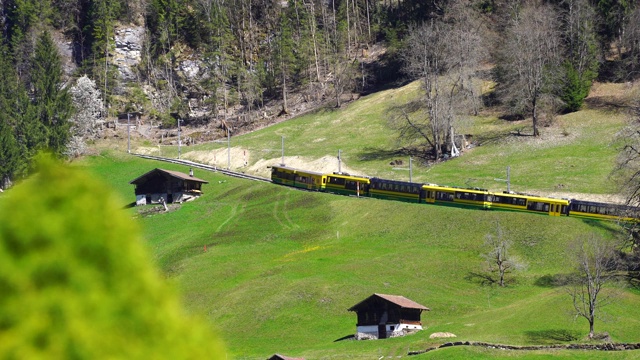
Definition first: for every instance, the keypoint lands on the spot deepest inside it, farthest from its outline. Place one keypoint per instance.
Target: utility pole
(228, 149)
(508, 180)
(410, 170)
(179, 141)
(128, 135)
(282, 151)
(339, 162)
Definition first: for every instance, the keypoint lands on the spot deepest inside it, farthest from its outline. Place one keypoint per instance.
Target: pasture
(282, 266)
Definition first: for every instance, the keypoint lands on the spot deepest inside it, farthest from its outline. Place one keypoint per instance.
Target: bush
(76, 280)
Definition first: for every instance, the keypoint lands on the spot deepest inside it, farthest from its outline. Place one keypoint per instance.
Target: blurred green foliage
(76, 281)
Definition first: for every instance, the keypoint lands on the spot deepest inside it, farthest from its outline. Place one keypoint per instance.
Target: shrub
(76, 280)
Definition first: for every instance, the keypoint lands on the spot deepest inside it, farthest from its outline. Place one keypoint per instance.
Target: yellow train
(346, 184)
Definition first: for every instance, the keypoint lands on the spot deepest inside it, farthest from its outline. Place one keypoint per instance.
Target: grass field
(282, 266)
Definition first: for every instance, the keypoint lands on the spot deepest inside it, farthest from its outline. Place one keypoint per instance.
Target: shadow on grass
(552, 336)
(555, 280)
(346, 337)
(381, 154)
(480, 278)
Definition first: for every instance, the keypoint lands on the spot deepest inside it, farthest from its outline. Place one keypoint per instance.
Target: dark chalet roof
(282, 357)
(401, 301)
(175, 174)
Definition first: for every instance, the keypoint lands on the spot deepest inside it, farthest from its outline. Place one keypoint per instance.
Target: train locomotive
(345, 184)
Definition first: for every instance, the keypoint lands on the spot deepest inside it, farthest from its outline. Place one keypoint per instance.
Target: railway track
(204, 167)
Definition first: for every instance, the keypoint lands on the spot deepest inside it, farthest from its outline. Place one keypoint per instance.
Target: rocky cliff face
(184, 80)
(128, 51)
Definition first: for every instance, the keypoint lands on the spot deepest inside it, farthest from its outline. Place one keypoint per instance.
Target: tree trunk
(285, 108)
(535, 117)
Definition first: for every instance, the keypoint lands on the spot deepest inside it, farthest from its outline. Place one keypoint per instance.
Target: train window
(538, 206)
(350, 184)
(444, 196)
(336, 180)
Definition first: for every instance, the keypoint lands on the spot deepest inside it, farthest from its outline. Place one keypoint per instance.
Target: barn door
(382, 331)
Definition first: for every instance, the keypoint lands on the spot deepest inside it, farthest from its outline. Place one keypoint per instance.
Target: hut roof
(401, 301)
(171, 173)
(282, 357)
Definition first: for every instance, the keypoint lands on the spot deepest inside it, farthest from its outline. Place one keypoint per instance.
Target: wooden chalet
(171, 186)
(381, 316)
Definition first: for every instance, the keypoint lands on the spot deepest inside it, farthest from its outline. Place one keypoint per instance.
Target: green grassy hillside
(574, 155)
(282, 266)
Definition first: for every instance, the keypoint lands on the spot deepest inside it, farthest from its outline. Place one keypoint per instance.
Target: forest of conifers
(541, 55)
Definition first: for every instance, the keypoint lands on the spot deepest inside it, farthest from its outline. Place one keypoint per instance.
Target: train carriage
(458, 197)
(298, 178)
(601, 211)
(529, 203)
(345, 184)
(395, 190)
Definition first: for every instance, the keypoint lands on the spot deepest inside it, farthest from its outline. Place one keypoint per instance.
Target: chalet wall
(371, 331)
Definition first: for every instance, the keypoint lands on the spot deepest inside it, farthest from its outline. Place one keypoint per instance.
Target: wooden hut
(160, 185)
(381, 316)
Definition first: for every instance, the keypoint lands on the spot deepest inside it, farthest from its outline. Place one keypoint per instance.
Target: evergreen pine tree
(51, 98)
(31, 133)
(9, 152)
(102, 16)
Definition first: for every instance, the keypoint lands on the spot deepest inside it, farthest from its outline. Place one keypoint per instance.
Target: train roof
(295, 169)
(377, 179)
(530, 196)
(455, 188)
(596, 203)
(347, 175)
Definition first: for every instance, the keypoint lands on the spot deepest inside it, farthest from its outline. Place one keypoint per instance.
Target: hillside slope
(282, 266)
(573, 157)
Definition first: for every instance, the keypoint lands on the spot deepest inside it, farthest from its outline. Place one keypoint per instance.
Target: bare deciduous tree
(595, 261)
(530, 59)
(631, 42)
(443, 54)
(499, 256)
(425, 59)
(628, 168)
